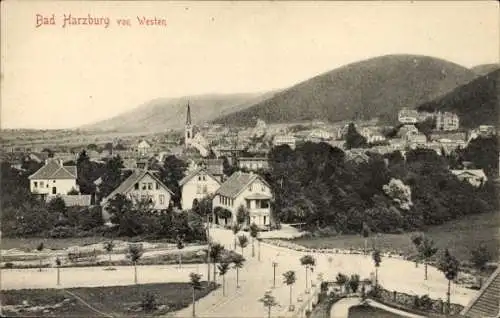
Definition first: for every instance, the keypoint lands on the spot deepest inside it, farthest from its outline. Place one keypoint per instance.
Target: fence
(414, 303)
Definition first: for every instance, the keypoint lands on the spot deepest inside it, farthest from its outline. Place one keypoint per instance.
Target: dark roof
(215, 166)
(236, 183)
(487, 301)
(136, 176)
(53, 170)
(195, 173)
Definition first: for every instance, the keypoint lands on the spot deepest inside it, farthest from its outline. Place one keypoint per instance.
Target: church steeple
(188, 129)
(188, 117)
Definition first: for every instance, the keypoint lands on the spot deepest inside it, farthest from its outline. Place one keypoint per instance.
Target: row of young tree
(315, 184)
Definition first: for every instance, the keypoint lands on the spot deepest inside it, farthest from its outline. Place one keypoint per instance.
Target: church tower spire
(188, 117)
(188, 130)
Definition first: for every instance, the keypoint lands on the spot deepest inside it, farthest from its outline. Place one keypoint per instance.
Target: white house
(143, 185)
(53, 178)
(197, 185)
(408, 116)
(475, 177)
(284, 140)
(249, 190)
(143, 148)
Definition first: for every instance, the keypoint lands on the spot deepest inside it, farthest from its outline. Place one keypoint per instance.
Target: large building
(447, 121)
(248, 190)
(408, 116)
(53, 178)
(280, 140)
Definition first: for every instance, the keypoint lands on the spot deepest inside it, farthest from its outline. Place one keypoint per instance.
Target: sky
(63, 77)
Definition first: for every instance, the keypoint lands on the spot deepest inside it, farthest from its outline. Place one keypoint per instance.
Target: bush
(149, 302)
(62, 232)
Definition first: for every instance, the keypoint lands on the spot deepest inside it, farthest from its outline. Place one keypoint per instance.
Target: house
(475, 177)
(53, 178)
(253, 163)
(143, 148)
(446, 121)
(248, 190)
(487, 302)
(408, 116)
(197, 185)
(280, 140)
(143, 185)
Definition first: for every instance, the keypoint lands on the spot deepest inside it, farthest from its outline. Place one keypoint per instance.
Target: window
(136, 186)
(248, 204)
(198, 188)
(150, 186)
(205, 189)
(41, 184)
(264, 204)
(35, 184)
(157, 186)
(250, 188)
(162, 199)
(262, 188)
(53, 181)
(199, 178)
(144, 185)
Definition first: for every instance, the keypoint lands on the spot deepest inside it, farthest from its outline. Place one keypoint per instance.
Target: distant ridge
(485, 69)
(476, 103)
(161, 114)
(377, 87)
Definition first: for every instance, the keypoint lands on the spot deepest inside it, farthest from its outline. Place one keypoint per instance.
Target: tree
(215, 253)
(238, 261)
(39, 248)
(417, 239)
(112, 176)
(366, 234)
(173, 171)
(399, 192)
(243, 242)
(289, 279)
(122, 213)
(180, 246)
(354, 283)
(341, 280)
(57, 205)
(108, 247)
(479, 258)
(269, 302)
(241, 214)
(223, 269)
(254, 232)
(84, 174)
(58, 265)
(377, 259)
(308, 262)
(195, 282)
(354, 139)
(135, 252)
(235, 228)
(450, 267)
(426, 251)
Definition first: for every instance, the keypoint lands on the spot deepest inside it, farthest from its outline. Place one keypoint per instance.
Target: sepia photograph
(250, 159)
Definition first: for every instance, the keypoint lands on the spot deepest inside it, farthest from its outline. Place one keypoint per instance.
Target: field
(368, 311)
(113, 301)
(459, 236)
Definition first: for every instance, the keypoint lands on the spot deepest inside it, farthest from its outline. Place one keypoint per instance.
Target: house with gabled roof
(487, 301)
(248, 190)
(197, 185)
(53, 178)
(143, 185)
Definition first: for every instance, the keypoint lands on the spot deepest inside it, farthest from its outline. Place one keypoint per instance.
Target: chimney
(60, 162)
